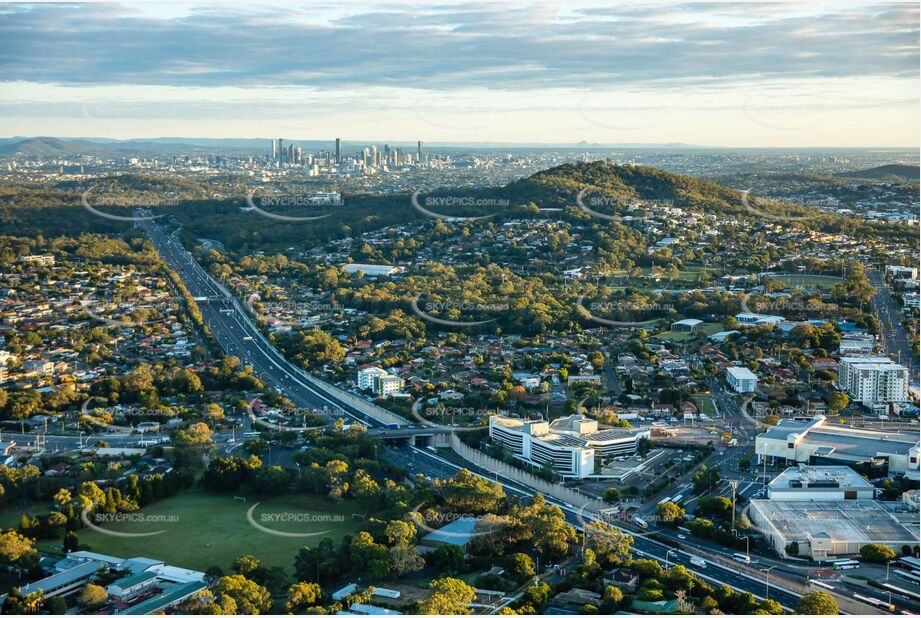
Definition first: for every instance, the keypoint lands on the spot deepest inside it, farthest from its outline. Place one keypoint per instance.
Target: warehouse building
(821, 530)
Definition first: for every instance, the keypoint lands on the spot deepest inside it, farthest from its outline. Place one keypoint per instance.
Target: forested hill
(217, 210)
(560, 185)
(896, 172)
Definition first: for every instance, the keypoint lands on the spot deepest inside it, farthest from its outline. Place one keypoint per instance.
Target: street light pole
(767, 575)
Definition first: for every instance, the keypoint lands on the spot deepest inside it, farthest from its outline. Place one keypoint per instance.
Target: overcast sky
(748, 75)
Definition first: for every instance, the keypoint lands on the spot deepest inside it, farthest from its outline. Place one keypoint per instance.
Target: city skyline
(762, 75)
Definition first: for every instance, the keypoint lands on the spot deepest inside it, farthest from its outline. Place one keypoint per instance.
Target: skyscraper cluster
(370, 160)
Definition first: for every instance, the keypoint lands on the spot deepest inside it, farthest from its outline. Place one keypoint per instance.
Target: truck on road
(699, 562)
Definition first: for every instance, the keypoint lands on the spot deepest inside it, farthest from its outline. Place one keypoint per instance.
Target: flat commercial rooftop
(857, 443)
(864, 521)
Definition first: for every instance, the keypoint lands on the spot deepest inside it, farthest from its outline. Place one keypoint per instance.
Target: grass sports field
(203, 529)
(809, 281)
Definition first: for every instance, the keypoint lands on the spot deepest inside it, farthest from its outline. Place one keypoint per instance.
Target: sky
(717, 74)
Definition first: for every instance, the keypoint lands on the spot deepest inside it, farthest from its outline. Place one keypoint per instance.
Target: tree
(669, 512)
(837, 401)
(817, 603)
(448, 596)
(520, 566)
(611, 495)
(301, 596)
(17, 550)
(197, 436)
(71, 542)
(610, 544)
(92, 596)
(400, 532)
(405, 559)
(369, 556)
(250, 598)
(874, 552)
(612, 599)
(248, 566)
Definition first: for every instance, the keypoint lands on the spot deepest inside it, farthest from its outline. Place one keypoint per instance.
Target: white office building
(741, 379)
(873, 379)
(568, 444)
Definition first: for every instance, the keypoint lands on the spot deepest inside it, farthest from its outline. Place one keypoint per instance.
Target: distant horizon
(577, 145)
(722, 75)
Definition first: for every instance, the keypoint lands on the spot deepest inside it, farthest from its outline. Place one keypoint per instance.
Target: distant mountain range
(53, 146)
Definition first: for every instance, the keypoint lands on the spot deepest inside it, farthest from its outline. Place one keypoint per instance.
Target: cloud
(447, 47)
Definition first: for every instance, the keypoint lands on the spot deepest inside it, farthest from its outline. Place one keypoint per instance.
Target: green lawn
(11, 515)
(705, 406)
(203, 529)
(809, 281)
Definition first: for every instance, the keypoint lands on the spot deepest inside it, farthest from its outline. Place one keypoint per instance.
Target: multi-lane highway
(238, 336)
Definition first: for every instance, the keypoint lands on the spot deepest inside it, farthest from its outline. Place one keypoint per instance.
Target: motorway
(236, 334)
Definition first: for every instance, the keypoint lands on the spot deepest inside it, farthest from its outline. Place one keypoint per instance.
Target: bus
(251, 434)
(886, 605)
(907, 562)
(743, 558)
(664, 500)
(844, 565)
(677, 498)
(911, 594)
(912, 576)
(639, 521)
(820, 584)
